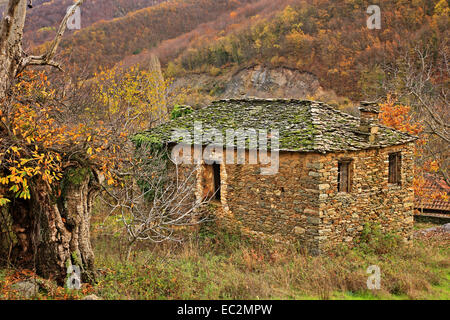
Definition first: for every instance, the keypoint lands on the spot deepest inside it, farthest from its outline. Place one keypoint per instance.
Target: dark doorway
(217, 183)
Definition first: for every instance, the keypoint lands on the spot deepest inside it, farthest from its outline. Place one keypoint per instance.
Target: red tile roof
(432, 195)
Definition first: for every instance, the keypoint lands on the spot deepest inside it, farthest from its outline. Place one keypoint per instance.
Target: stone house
(334, 172)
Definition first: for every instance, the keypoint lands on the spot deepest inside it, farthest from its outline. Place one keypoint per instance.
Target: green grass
(424, 225)
(223, 265)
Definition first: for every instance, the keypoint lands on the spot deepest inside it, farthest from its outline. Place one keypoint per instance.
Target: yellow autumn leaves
(123, 103)
(135, 96)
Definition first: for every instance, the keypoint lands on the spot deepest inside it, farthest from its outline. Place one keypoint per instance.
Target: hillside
(243, 15)
(226, 150)
(328, 39)
(45, 16)
(105, 43)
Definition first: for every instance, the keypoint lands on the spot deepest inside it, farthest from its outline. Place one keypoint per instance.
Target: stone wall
(371, 200)
(302, 203)
(282, 207)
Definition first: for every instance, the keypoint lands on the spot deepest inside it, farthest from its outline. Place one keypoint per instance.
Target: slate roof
(304, 126)
(432, 194)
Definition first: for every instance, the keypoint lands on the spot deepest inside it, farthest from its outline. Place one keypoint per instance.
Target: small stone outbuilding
(432, 202)
(335, 172)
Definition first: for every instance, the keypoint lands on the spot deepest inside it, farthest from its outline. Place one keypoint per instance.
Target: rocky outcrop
(445, 228)
(256, 81)
(92, 297)
(263, 82)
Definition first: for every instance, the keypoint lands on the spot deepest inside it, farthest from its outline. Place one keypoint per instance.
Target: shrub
(373, 240)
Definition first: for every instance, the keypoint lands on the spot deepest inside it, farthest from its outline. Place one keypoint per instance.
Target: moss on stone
(302, 125)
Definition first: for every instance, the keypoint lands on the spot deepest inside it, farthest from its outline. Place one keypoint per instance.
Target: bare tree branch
(419, 78)
(158, 198)
(47, 58)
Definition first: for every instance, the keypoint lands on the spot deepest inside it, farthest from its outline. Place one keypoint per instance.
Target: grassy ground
(221, 265)
(423, 225)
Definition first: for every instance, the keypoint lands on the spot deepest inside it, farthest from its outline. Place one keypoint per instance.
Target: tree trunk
(53, 233)
(12, 57)
(11, 33)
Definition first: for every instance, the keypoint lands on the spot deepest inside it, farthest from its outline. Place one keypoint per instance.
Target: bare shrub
(158, 197)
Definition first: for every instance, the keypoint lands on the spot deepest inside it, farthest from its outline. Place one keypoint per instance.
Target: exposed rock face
(263, 82)
(256, 81)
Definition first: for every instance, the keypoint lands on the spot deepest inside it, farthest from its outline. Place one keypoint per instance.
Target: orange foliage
(327, 38)
(106, 43)
(52, 291)
(43, 20)
(400, 117)
(41, 137)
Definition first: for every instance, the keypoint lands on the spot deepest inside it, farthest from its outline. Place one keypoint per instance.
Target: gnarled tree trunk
(11, 34)
(53, 232)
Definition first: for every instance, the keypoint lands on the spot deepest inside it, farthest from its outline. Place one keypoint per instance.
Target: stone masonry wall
(282, 207)
(301, 203)
(371, 200)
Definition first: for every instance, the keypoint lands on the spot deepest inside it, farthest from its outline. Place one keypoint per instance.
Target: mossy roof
(303, 125)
